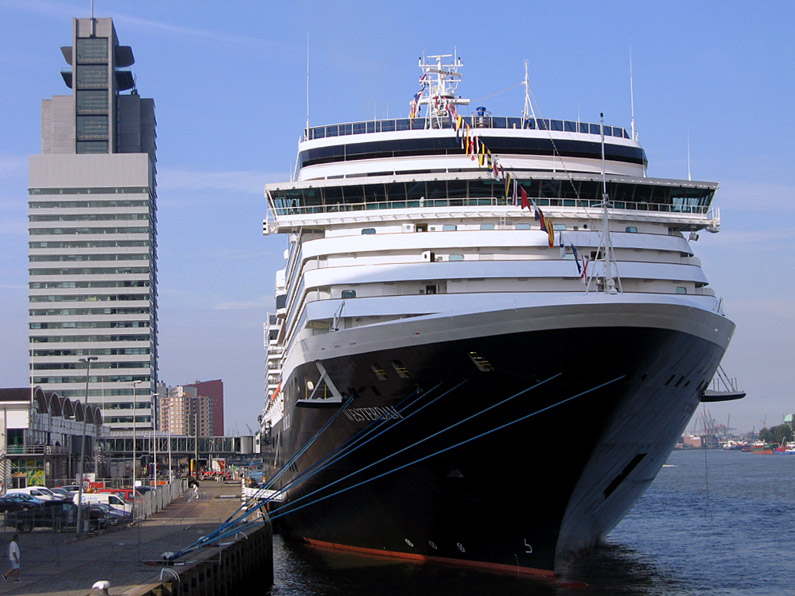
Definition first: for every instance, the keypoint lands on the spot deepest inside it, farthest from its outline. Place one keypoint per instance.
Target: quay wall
(242, 567)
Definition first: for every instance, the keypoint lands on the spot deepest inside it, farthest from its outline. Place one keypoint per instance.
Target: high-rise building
(93, 233)
(196, 409)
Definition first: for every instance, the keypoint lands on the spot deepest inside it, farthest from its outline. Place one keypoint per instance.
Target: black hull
(522, 486)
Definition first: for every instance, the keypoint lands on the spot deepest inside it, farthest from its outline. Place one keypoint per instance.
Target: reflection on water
(715, 523)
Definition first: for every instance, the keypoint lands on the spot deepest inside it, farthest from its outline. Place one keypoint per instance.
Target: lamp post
(135, 397)
(154, 432)
(170, 469)
(87, 360)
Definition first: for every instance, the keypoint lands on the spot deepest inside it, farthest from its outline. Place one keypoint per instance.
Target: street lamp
(87, 360)
(154, 432)
(135, 397)
(170, 469)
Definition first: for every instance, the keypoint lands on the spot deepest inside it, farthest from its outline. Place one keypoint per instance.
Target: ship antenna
(609, 283)
(307, 86)
(631, 94)
(528, 105)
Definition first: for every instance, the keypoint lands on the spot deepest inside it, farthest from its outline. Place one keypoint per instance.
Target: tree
(777, 434)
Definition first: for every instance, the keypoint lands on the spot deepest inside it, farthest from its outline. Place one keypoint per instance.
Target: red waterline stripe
(424, 558)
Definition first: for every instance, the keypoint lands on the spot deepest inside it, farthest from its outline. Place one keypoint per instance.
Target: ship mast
(528, 110)
(606, 282)
(440, 81)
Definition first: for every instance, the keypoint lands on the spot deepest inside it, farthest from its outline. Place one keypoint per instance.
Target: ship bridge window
(631, 229)
(368, 231)
(348, 294)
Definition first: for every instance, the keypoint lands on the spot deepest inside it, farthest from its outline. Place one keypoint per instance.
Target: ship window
(594, 129)
(368, 231)
(558, 227)
(401, 370)
(456, 257)
(556, 124)
(631, 229)
(583, 127)
(681, 290)
(523, 226)
(486, 226)
(348, 294)
(570, 126)
(449, 227)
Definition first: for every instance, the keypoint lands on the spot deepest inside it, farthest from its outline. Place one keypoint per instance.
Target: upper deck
(442, 139)
(476, 121)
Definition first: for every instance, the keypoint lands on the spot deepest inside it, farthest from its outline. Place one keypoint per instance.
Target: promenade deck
(61, 564)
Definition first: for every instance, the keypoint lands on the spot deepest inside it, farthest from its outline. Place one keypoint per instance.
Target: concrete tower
(93, 233)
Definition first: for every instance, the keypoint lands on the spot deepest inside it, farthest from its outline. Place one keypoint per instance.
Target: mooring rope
(230, 528)
(348, 446)
(281, 513)
(362, 444)
(233, 519)
(446, 449)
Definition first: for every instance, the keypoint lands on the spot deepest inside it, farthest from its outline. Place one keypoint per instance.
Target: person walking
(13, 557)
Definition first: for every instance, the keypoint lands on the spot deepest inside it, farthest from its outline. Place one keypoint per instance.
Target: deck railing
(285, 209)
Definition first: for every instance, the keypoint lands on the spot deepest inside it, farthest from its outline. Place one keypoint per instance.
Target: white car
(40, 492)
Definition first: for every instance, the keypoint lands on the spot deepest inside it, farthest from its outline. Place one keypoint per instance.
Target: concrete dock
(60, 563)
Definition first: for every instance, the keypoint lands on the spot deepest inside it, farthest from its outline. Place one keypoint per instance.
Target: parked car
(59, 517)
(18, 501)
(71, 488)
(39, 492)
(127, 494)
(114, 516)
(63, 492)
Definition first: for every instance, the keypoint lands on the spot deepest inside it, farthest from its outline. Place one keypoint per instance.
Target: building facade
(93, 234)
(40, 438)
(193, 410)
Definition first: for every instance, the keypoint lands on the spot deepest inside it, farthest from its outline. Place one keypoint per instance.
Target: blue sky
(229, 83)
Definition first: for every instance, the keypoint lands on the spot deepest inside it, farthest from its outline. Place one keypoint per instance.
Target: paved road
(63, 565)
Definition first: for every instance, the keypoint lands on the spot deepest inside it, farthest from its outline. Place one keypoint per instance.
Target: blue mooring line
(459, 444)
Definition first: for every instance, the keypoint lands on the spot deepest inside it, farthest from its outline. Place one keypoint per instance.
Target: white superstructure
(396, 219)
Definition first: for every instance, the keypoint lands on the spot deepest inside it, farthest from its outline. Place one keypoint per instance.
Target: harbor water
(713, 522)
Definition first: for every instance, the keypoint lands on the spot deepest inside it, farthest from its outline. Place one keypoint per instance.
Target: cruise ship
(489, 332)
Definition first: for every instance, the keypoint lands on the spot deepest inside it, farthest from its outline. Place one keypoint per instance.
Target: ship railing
(502, 122)
(290, 207)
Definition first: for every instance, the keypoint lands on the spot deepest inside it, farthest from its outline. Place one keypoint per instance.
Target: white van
(114, 501)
